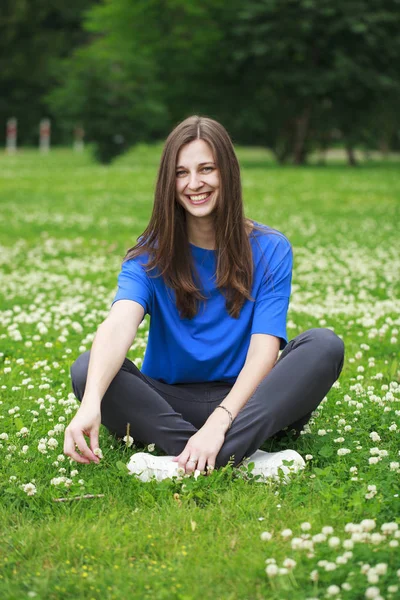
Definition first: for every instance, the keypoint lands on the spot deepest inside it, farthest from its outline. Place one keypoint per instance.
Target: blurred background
(298, 77)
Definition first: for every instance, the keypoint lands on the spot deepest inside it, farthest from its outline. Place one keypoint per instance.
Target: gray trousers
(168, 415)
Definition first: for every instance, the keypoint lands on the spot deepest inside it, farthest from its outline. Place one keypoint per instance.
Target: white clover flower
(373, 460)
(368, 524)
(389, 527)
(42, 448)
(381, 568)
(4, 436)
(52, 443)
(392, 589)
(309, 457)
(286, 533)
(346, 586)
(24, 449)
(372, 592)
(343, 451)
(289, 563)
(321, 432)
(377, 538)
(334, 542)
(330, 566)
(372, 576)
(394, 466)
(29, 489)
(393, 543)
(327, 530)
(151, 447)
(333, 590)
(128, 441)
(393, 427)
(272, 570)
(266, 536)
(74, 472)
(98, 452)
(305, 526)
(314, 575)
(375, 436)
(318, 538)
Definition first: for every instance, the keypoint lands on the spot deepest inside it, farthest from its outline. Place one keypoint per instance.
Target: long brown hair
(166, 239)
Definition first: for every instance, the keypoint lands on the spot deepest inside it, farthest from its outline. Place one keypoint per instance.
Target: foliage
(34, 35)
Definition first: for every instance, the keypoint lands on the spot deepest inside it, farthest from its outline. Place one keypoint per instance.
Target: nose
(195, 182)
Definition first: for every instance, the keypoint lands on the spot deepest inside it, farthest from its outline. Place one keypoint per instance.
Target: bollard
(79, 134)
(11, 136)
(44, 137)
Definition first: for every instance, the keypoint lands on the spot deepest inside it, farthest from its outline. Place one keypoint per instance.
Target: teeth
(199, 197)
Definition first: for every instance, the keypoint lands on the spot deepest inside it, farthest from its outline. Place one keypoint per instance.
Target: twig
(86, 496)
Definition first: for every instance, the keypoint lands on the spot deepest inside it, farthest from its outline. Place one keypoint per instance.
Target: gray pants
(168, 415)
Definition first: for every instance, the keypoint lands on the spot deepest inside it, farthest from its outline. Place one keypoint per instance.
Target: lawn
(332, 532)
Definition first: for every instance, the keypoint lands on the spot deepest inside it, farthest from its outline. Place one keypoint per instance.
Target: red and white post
(79, 134)
(11, 135)
(44, 135)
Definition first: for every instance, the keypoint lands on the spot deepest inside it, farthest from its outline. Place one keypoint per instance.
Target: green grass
(65, 224)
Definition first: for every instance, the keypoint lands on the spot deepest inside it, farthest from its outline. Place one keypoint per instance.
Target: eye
(208, 169)
(179, 173)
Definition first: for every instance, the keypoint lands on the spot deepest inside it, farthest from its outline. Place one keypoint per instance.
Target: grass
(65, 224)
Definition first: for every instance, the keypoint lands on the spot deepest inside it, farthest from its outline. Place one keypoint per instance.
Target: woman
(217, 287)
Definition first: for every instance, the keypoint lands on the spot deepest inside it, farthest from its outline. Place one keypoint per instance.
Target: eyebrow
(209, 162)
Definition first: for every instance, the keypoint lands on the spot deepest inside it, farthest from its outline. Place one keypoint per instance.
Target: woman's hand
(204, 445)
(86, 422)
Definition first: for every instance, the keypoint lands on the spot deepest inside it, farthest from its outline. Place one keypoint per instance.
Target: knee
(329, 343)
(79, 371)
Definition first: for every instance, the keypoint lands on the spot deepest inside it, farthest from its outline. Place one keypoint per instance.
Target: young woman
(217, 288)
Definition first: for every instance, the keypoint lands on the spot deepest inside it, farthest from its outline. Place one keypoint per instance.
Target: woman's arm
(112, 341)
(261, 357)
(207, 442)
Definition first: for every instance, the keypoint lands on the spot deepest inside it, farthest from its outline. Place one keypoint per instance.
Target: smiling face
(197, 179)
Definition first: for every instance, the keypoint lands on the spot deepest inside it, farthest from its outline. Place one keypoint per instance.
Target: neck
(201, 232)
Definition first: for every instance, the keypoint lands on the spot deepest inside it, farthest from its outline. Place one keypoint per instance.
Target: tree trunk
(351, 157)
(302, 126)
(384, 145)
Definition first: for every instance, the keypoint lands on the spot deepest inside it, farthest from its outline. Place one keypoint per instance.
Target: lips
(197, 199)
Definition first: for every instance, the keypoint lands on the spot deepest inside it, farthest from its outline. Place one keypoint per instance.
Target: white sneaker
(267, 464)
(146, 467)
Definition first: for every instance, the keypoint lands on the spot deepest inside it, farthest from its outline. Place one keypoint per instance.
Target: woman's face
(197, 179)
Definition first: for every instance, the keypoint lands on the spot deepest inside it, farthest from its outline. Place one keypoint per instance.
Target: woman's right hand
(86, 422)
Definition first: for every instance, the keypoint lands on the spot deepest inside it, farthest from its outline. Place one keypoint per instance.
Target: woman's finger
(183, 459)
(201, 465)
(84, 448)
(210, 466)
(69, 449)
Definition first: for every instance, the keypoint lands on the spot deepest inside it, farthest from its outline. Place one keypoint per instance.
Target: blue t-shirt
(213, 345)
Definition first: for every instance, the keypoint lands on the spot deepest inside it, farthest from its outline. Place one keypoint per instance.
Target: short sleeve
(272, 301)
(134, 284)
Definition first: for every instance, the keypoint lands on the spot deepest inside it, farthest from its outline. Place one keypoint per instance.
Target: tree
(33, 36)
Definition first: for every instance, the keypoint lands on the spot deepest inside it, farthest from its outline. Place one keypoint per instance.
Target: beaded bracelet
(229, 413)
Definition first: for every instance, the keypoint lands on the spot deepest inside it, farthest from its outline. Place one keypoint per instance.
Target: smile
(199, 198)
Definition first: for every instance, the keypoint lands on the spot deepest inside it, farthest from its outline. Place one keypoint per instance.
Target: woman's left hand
(203, 446)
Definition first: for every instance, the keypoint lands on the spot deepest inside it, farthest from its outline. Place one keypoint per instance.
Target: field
(65, 224)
